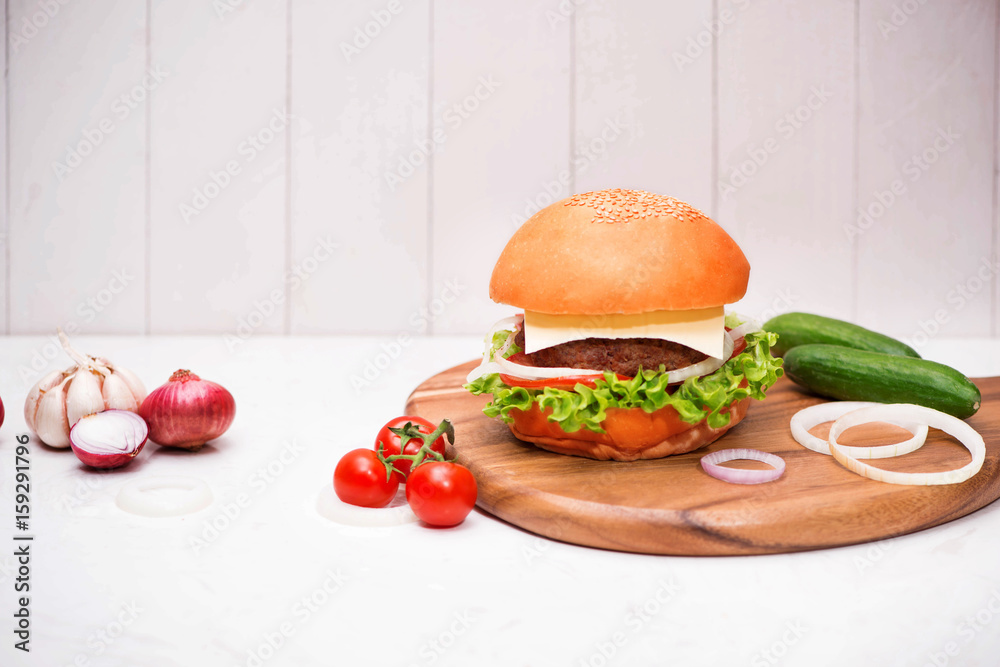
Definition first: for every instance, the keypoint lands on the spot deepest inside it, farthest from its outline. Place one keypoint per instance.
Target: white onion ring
(331, 507)
(487, 366)
(749, 325)
(704, 367)
(905, 412)
(145, 498)
(508, 367)
(502, 350)
(710, 463)
(807, 418)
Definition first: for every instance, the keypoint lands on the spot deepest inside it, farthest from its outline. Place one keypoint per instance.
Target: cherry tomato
(441, 493)
(390, 442)
(360, 479)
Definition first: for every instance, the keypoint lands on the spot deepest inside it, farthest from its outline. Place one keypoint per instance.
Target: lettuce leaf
(499, 338)
(696, 399)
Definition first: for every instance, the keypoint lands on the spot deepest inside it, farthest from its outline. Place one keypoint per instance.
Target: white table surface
(484, 593)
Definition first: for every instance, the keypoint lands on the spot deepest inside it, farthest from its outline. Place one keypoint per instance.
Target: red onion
(710, 462)
(108, 439)
(187, 411)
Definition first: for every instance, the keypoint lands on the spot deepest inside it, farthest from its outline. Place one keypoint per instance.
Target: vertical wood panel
(217, 264)
(927, 112)
(359, 170)
(786, 128)
(643, 104)
(4, 182)
(77, 165)
(501, 104)
(995, 249)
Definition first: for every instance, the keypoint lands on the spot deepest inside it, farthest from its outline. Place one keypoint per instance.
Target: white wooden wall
(244, 167)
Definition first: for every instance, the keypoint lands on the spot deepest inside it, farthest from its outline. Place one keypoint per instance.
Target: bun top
(619, 251)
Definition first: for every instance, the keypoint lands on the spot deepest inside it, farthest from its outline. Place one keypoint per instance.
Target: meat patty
(619, 355)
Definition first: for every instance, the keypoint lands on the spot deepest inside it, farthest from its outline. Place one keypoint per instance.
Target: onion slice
(902, 413)
(513, 323)
(397, 513)
(704, 367)
(538, 372)
(807, 418)
(164, 496)
(749, 325)
(710, 463)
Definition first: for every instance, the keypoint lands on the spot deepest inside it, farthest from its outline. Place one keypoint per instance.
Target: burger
(622, 349)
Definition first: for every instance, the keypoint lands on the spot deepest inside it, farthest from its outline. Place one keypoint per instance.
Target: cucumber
(859, 375)
(796, 329)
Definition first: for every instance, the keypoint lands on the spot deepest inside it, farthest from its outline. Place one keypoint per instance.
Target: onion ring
(749, 325)
(704, 367)
(146, 496)
(807, 418)
(331, 507)
(539, 372)
(487, 366)
(903, 412)
(710, 463)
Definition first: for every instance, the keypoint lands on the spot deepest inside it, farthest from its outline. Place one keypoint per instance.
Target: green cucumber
(796, 329)
(859, 375)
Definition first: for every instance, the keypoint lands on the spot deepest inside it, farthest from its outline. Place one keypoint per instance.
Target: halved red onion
(902, 413)
(710, 463)
(807, 418)
(108, 439)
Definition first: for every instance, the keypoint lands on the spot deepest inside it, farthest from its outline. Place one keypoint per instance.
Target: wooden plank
(217, 152)
(501, 109)
(926, 165)
(643, 102)
(670, 506)
(5, 232)
(359, 167)
(77, 86)
(995, 330)
(786, 159)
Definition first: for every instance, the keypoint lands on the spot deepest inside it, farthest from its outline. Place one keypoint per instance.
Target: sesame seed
(621, 206)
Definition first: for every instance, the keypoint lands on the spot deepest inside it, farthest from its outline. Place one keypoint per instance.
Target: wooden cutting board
(670, 506)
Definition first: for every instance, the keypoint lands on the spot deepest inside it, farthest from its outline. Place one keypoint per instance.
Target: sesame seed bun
(619, 251)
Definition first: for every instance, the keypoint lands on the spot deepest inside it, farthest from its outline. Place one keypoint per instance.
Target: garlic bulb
(62, 398)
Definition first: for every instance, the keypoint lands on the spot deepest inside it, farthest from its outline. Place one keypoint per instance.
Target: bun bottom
(630, 434)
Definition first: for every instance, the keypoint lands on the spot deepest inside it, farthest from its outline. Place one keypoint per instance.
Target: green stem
(410, 432)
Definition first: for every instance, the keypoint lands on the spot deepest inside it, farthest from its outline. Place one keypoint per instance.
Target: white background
(697, 99)
(689, 98)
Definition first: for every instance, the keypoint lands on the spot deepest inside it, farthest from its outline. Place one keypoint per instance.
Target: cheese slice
(700, 329)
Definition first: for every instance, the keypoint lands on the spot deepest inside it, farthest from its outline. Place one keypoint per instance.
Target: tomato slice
(739, 345)
(570, 381)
